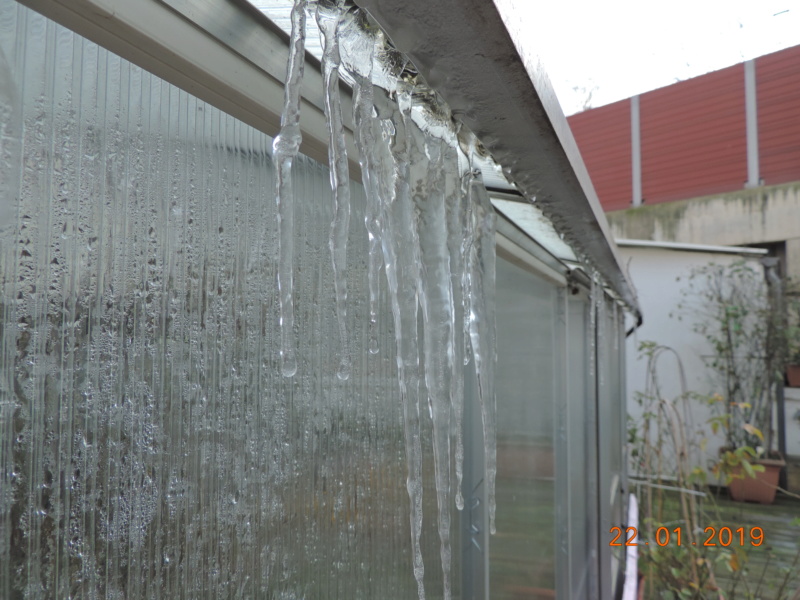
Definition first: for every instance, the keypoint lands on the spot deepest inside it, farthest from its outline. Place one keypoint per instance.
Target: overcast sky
(618, 48)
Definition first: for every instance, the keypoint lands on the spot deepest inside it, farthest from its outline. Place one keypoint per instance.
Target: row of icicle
(431, 228)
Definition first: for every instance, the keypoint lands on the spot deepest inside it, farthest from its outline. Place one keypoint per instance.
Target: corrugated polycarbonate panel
(523, 552)
(581, 454)
(778, 85)
(149, 446)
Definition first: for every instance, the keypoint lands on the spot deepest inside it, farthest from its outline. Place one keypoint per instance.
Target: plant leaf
(733, 562)
(753, 431)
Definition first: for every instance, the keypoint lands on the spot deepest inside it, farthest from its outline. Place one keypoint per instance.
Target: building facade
(711, 160)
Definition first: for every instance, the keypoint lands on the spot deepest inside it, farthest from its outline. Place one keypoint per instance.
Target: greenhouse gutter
(461, 48)
(464, 52)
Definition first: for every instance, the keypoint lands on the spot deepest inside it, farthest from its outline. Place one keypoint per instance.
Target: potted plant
(750, 472)
(740, 310)
(793, 372)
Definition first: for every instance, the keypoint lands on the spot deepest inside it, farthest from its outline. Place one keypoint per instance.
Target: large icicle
(400, 246)
(329, 14)
(467, 239)
(365, 142)
(435, 232)
(591, 332)
(455, 204)
(482, 269)
(285, 148)
(436, 300)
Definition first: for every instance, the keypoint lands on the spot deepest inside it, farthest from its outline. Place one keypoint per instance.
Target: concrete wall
(755, 216)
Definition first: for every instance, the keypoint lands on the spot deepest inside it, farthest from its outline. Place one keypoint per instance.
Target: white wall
(655, 273)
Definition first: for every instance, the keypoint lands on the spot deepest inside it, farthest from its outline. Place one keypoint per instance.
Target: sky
(598, 52)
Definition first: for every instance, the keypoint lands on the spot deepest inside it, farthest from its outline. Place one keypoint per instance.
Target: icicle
(467, 238)
(602, 332)
(591, 332)
(482, 269)
(329, 14)
(365, 142)
(436, 300)
(285, 148)
(400, 246)
(455, 197)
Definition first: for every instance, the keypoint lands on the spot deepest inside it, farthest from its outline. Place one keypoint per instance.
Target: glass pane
(149, 447)
(522, 553)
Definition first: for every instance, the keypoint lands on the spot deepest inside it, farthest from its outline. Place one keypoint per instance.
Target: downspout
(775, 291)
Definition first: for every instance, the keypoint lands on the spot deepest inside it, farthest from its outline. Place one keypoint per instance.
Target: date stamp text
(712, 536)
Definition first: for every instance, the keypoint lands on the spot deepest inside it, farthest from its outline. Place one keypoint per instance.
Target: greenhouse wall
(150, 446)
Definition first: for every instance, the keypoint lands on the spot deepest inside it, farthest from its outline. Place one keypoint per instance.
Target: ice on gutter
(466, 53)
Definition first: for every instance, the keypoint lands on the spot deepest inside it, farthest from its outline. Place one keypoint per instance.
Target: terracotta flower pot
(761, 488)
(793, 375)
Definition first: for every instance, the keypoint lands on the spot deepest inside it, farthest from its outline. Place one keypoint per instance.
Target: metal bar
(636, 152)
(562, 524)
(751, 120)
(593, 477)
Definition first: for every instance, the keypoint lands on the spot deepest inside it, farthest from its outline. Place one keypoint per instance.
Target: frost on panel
(285, 148)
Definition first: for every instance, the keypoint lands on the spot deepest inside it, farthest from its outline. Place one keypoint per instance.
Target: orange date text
(712, 536)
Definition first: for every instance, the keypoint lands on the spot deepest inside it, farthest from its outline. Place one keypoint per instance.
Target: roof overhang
(466, 53)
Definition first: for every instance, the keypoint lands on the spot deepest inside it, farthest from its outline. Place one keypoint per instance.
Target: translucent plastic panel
(581, 454)
(149, 446)
(522, 554)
